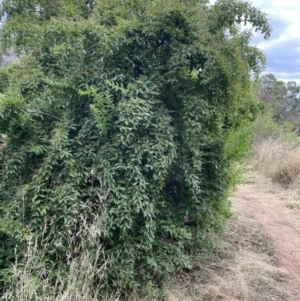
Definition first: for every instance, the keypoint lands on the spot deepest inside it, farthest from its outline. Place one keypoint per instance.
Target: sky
(282, 50)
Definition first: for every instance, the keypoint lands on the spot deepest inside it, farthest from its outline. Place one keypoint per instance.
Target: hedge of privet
(145, 102)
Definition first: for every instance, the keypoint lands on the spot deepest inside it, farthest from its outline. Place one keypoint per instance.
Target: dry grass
(279, 160)
(243, 266)
(80, 279)
(77, 285)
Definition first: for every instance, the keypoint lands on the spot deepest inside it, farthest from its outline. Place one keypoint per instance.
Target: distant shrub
(265, 127)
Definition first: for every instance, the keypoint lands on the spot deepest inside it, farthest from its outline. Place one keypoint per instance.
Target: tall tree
(293, 97)
(145, 101)
(273, 92)
(283, 99)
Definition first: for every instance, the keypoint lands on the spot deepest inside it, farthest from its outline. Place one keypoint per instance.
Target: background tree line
(282, 98)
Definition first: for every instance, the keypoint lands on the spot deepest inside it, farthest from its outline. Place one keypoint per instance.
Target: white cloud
(287, 10)
(283, 48)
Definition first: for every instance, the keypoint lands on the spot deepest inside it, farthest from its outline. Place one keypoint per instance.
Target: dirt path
(266, 203)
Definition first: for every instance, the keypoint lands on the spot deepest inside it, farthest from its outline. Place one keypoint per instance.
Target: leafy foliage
(146, 101)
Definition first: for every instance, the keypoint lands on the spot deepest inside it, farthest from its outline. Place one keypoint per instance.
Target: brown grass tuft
(279, 160)
(80, 279)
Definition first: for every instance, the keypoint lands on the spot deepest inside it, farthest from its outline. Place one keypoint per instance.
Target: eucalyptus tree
(145, 102)
(282, 98)
(293, 99)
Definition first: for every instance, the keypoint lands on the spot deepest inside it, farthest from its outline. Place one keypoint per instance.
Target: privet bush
(145, 101)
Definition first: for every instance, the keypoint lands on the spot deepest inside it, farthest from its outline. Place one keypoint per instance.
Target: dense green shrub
(265, 127)
(148, 102)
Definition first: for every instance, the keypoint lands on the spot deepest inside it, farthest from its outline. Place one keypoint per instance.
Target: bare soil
(279, 213)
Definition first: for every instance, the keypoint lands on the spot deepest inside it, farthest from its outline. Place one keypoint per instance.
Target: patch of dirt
(267, 204)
